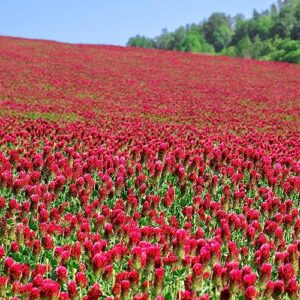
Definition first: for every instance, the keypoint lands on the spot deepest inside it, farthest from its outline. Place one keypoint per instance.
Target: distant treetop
(273, 34)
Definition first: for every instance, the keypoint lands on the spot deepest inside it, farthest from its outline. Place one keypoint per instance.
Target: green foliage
(293, 56)
(243, 48)
(218, 31)
(262, 27)
(295, 33)
(196, 43)
(165, 40)
(273, 34)
(256, 48)
(141, 41)
(192, 43)
(287, 51)
(179, 37)
(229, 51)
(286, 19)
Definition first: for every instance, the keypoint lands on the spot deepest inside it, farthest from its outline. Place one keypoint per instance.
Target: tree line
(273, 34)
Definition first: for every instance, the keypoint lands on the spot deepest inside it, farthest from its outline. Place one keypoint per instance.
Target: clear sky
(110, 21)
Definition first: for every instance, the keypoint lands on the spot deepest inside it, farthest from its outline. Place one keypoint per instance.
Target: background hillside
(89, 80)
(273, 34)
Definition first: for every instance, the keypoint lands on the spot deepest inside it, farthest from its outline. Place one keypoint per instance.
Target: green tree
(195, 42)
(267, 48)
(229, 51)
(141, 41)
(295, 34)
(165, 40)
(218, 30)
(256, 48)
(243, 48)
(241, 29)
(179, 37)
(286, 50)
(292, 56)
(263, 26)
(286, 19)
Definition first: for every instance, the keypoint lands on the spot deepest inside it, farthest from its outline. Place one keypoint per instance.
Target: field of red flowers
(143, 174)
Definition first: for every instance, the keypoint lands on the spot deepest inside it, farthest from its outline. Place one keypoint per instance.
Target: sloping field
(142, 174)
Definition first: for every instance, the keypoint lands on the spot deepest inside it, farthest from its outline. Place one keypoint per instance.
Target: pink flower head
(81, 279)
(61, 273)
(72, 289)
(250, 293)
(278, 288)
(292, 288)
(49, 289)
(95, 292)
(286, 272)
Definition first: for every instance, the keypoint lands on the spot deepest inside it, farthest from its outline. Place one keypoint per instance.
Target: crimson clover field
(142, 174)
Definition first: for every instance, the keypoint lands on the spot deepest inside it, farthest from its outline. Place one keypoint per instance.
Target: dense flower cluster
(141, 174)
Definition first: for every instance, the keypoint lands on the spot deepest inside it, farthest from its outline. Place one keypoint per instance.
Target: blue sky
(109, 21)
